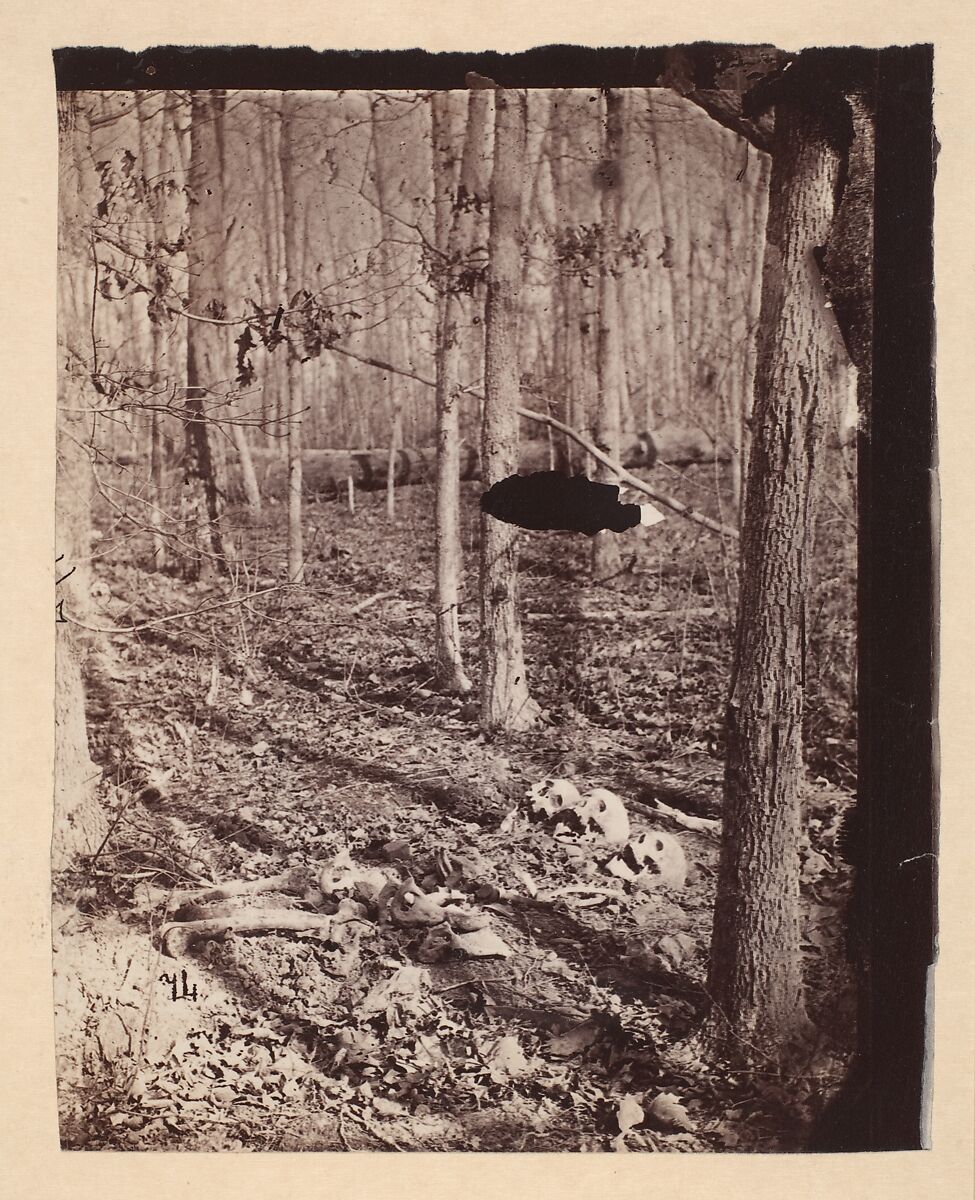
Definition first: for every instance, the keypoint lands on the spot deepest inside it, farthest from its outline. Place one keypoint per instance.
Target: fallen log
(684, 445)
(325, 473)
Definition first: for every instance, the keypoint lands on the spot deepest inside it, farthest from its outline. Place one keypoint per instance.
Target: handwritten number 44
(178, 986)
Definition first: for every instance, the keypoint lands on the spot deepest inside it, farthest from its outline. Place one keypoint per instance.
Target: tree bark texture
(505, 700)
(755, 975)
(207, 345)
(450, 241)
(79, 823)
(757, 164)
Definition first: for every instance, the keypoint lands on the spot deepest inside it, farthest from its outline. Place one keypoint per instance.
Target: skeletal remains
(650, 858)
(352, 895)
(357, 895)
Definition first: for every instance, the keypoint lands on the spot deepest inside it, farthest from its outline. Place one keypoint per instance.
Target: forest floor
(301, 730)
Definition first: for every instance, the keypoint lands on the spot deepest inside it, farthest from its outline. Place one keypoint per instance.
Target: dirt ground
(300, 731)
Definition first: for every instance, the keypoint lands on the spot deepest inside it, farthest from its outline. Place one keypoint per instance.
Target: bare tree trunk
(739, 250)
(383, 144)
(561, 291)
(755, 977)
(759, 172)
(505, 700)
(570, 360)
(79, 823)
(635, 285)
(675, 398)
(267, 163)
(207, 350)
(683, 275)
(151, 170)
(289, 196)
(248, 476)
(606, 558)
(395, 443)
(450, 240)
(736, 397)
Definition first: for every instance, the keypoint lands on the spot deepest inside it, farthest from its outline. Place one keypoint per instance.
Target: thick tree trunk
(606, 557)
(451, 241)
(755, 976)
(289, 198)
(505, 700)
(79, 823)
(207, 345)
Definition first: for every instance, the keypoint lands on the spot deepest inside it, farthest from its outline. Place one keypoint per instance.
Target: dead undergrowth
(287, 729)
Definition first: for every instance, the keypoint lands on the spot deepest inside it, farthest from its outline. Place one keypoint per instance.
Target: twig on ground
(195, 612)
(364, 604)
(471, 982)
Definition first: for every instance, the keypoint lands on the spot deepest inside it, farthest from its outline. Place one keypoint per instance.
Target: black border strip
(898, 623)
(253, 67)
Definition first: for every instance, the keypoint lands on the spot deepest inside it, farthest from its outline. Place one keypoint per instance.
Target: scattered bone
(342, 876)
(178, 936)
(293, 882)
(480, 943)
(357, 891)
(699, 824)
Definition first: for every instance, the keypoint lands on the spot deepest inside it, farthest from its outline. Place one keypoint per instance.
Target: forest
(382, 824)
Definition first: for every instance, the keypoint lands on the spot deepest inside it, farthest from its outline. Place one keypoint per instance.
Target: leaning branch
(382, 365)
(634, 481)
(675, 506)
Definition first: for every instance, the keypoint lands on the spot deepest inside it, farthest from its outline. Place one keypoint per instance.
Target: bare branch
(675, 506)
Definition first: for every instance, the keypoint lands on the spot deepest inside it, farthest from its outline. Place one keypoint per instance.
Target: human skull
(605, 811)
(552, 797)
(660, 856)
